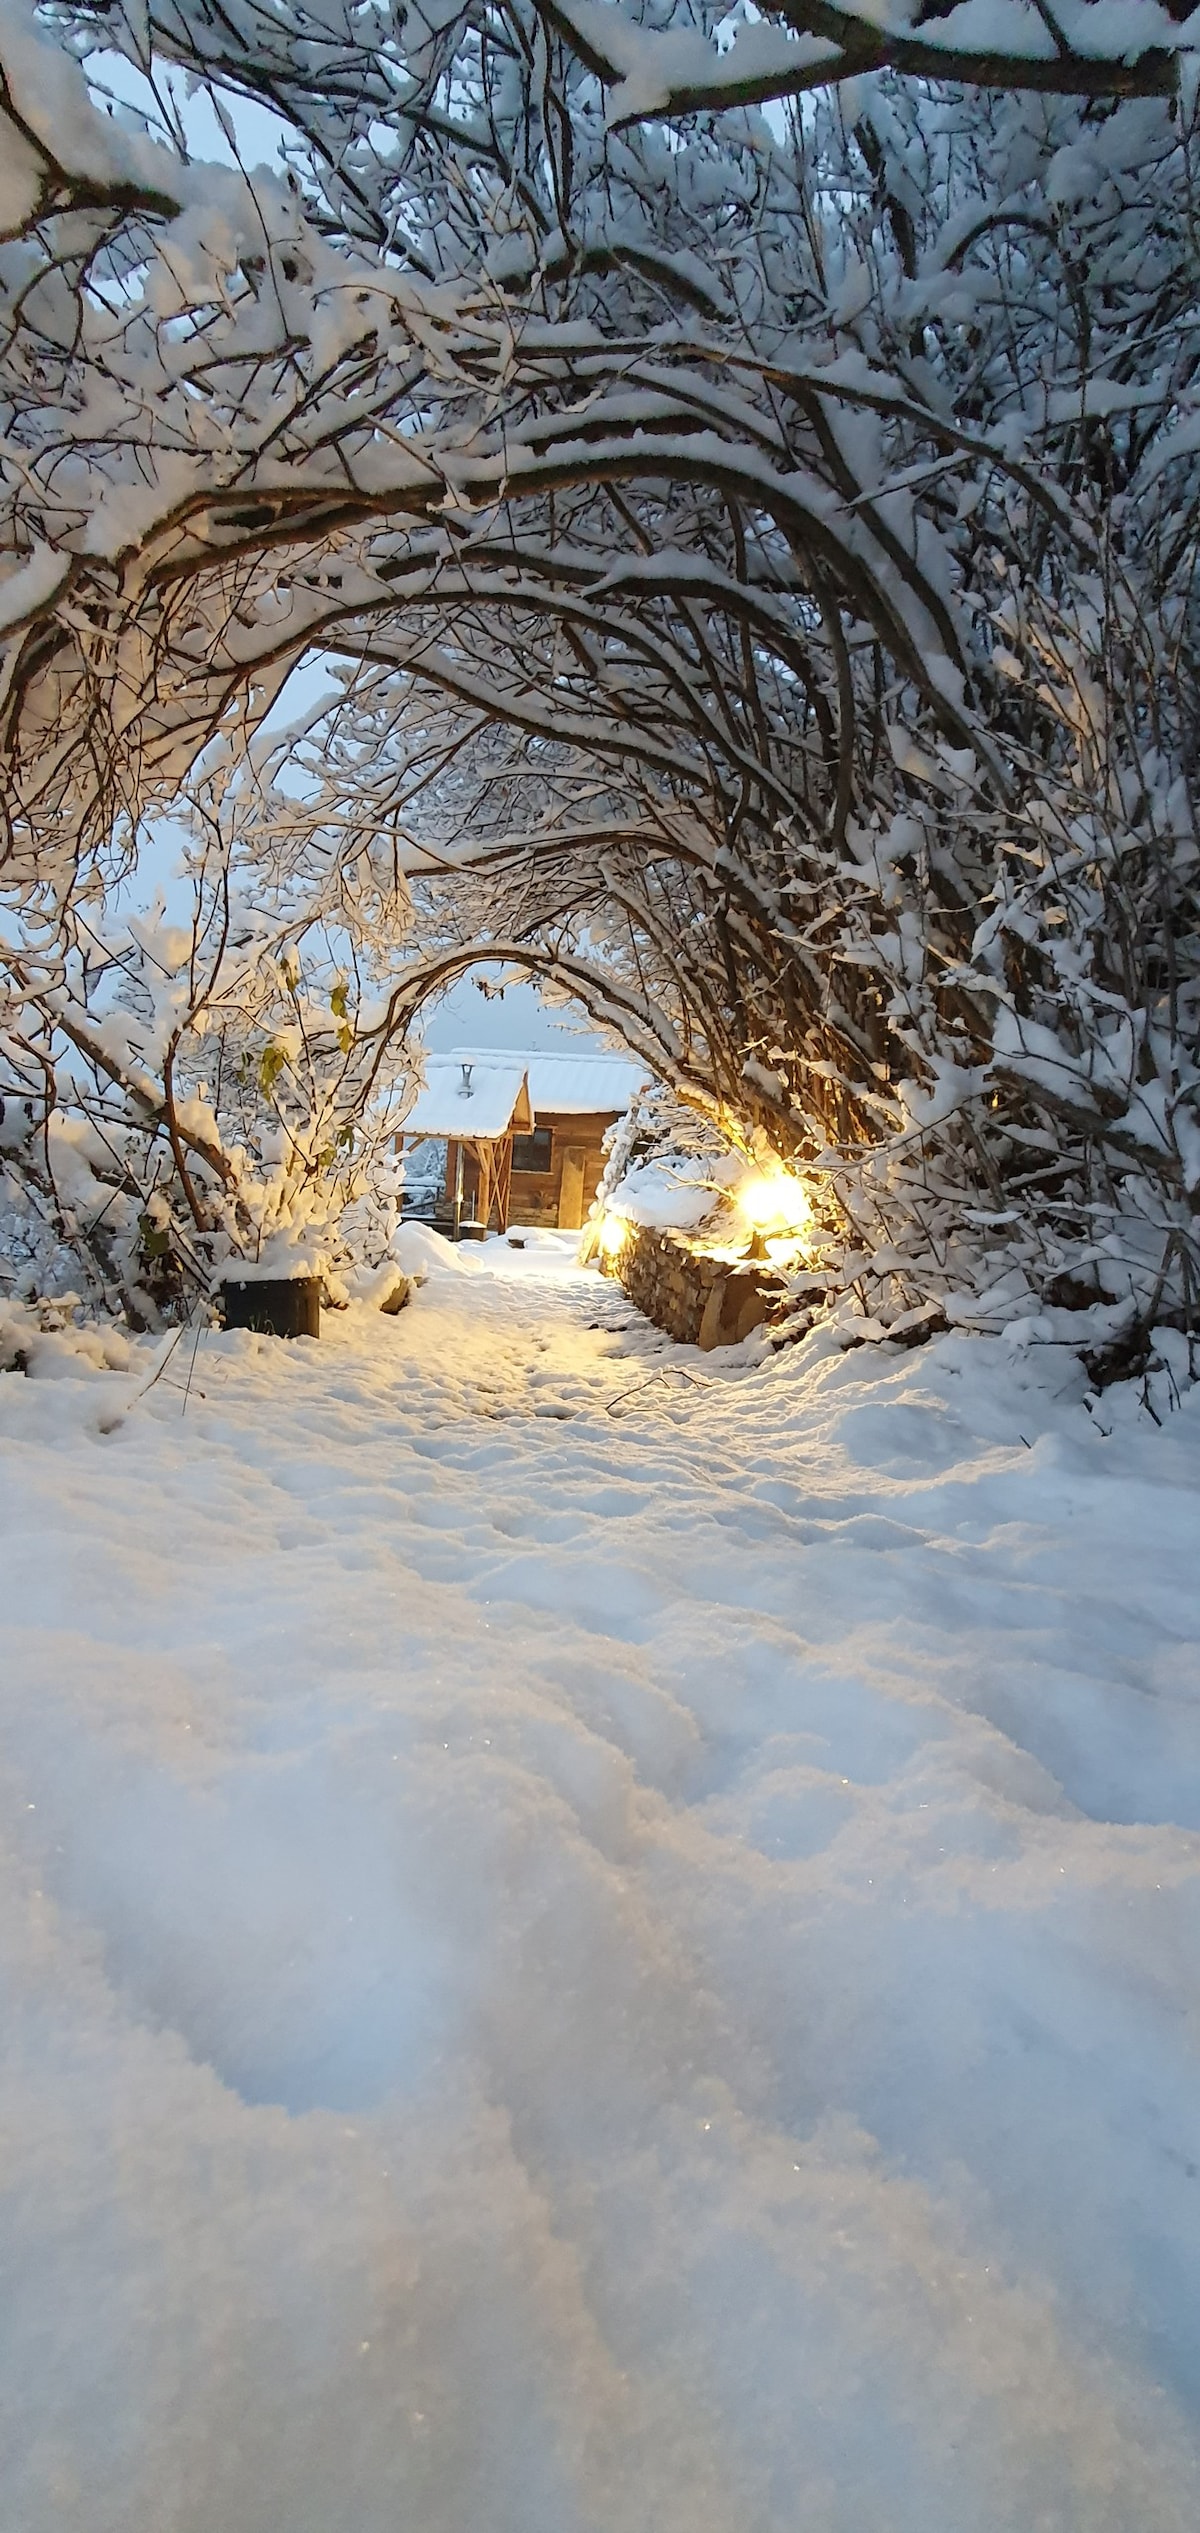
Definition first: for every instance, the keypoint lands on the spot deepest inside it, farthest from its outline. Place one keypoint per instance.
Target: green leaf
(155, 1241)
(270, 1065)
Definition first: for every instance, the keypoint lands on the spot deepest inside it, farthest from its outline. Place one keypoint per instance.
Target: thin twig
(192, 1365)
(665, 1371)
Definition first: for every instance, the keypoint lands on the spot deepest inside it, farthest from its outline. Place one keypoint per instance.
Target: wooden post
(482, 1156)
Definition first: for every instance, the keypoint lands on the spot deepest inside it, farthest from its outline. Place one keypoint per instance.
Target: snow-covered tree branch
(757, 552)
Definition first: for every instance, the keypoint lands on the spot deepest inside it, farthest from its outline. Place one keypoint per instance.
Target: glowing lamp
(612, 1234)
(772, 1201)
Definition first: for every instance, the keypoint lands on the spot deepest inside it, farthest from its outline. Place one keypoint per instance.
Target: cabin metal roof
(479, 1093)
(582, 1085)
(470, 1099)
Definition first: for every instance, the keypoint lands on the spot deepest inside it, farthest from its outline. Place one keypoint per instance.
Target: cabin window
(533, 1152)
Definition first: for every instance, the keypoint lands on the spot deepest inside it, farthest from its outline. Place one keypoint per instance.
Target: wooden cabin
(523, 1133)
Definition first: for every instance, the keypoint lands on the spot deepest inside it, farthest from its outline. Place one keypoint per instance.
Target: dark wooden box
(276, 1306)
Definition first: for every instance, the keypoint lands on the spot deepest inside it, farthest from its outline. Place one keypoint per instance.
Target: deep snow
(594, 1937)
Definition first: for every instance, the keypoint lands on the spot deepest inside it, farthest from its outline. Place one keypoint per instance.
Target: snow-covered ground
(594, 1937)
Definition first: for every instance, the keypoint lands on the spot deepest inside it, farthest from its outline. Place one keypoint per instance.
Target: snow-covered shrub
(179, 1091)
(667, 1167)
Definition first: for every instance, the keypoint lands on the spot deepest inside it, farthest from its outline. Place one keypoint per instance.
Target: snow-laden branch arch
(793, 523)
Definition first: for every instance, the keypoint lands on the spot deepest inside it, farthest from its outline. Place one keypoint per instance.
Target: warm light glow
(771, 1200)
(612, 1234)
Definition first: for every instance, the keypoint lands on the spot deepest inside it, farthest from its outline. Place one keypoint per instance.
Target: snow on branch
(1078, 48)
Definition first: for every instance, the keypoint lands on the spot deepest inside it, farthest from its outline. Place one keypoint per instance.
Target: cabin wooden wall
(576, 1163)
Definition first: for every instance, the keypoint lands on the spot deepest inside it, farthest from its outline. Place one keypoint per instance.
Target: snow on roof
(468, 1094)
(576, 1084)
(567, 1084)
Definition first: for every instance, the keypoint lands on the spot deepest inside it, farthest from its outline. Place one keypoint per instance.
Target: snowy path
(574, 1970)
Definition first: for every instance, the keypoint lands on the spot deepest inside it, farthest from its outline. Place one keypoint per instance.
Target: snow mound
(419, 1251)
(384, 1287)
(676, 1192)
(47, 1343)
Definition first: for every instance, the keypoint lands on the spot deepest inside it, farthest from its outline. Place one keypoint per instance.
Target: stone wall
(699, 1297)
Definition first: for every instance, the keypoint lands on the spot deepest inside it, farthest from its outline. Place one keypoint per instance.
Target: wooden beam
(504, 1153)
